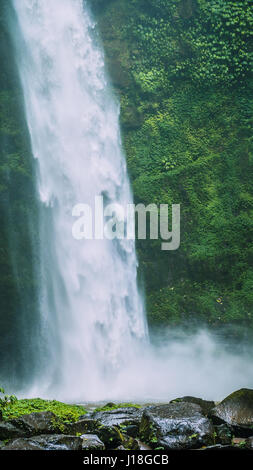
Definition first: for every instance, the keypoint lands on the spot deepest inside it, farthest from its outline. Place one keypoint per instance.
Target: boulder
(9, 431)
(29, 425)
(130, 443)
(109, 425)
(119, 417)
(45, 442)
(22, 443)
(223, 434)
(176, 426)
(205, 405)
(110, 435)
(82, 426)
(237, 411)
(92, 442)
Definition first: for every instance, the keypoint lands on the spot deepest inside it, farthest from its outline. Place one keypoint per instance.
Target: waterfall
(92, 316)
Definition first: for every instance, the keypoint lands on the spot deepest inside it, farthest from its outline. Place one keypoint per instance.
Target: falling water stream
(94, 341)
(92, 314)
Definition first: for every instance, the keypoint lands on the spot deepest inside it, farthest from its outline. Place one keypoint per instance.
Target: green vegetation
(6, 400)
(181, 70)
(66, 413)
(19, 224)
(113, 406)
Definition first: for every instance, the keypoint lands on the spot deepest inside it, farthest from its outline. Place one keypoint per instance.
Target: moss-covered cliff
(182, 71)
(18, 213)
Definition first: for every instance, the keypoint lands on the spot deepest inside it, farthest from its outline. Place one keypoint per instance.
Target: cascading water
(91, 312)
(93, 335)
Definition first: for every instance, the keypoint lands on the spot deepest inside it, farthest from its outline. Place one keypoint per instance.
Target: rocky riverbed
(183, 423)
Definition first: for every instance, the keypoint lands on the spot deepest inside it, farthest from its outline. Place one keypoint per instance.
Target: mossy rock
(237, 411)
(66, 413)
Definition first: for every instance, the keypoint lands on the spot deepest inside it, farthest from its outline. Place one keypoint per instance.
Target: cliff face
(18, 209)
(181, 69)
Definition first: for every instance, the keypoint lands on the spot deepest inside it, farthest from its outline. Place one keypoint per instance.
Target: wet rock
(130, 429)
(45, 442)
(237, 411)
(130, 443)
(176, 426)
(110, 425)
(205, 405)
(36, 423)
(110, 435)
(92, 442)
(143, 446)
(219, 447)
(119, 417)
(223, 434)
(21, 444)
(9, 431)
(82, 426)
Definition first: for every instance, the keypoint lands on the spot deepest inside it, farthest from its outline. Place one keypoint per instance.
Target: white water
(92, 313)
(94, 342)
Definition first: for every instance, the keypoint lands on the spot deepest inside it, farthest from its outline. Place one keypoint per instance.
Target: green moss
(66, 413)
(186, 116)
(113, 406)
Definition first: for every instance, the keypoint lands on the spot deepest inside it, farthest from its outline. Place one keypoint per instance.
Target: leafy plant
(6, 400)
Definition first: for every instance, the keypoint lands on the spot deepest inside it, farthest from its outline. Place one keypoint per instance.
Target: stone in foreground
(45, 442)
(237, 411)
(176, 426)
(92, 442)
(121, 416)
(205, 405)
(29, 425)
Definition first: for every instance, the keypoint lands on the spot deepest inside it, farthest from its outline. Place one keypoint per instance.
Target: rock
(131, 430)
(110, 405)
(9, 431)
(237, 441)
(45, 442)
(110, 435)
(205, 405)
(130, 443)
(176, 426)
(119, 417)
(37, 423)
(143, 446)
(82, 426)
(112, 423)
(219, 447)
(249, 443)
(223, 434)
(120, 448)
(22, 443)
(92, 442)
(237, 411)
